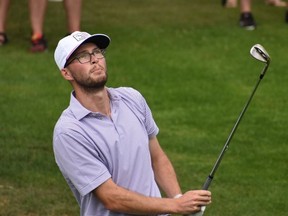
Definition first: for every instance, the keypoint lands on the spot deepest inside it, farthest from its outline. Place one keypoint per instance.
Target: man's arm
(118, 199)
(164, 172)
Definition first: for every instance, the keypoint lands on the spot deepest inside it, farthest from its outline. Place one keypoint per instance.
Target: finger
(204, 202)
(204, 193)
(200, 193)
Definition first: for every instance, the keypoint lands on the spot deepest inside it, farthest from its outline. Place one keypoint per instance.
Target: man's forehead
(86, 46)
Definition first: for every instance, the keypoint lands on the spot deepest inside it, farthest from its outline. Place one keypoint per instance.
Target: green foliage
(191, 62)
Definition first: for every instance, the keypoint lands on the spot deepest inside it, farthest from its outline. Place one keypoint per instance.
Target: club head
(259, 53)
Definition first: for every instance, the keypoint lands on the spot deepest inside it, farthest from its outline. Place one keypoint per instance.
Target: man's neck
(95, 101)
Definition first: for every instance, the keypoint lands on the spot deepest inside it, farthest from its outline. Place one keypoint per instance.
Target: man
(105, 142)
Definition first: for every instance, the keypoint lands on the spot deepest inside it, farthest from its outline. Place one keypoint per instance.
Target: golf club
(259, 53)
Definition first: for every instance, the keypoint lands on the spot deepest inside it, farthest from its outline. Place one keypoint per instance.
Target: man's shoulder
(126, 91)
(66, 119)
(128, 94)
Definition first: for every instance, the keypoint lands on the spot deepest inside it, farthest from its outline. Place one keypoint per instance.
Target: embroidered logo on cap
(81, 36)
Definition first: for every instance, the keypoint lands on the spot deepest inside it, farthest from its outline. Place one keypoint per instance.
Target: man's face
(87, 67)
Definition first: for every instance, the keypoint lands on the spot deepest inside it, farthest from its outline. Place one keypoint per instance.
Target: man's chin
(99, 84)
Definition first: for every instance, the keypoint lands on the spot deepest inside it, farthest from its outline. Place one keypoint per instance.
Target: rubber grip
(207, 183)
(200, 213)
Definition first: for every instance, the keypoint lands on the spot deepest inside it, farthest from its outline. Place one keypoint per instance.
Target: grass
(191, 62)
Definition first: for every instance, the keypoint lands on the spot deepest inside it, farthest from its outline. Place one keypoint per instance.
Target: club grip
(207, 182)
(205, 187)
(200, 213)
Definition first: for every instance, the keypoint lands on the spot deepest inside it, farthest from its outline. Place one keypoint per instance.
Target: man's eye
(96, 51)
(84, 56)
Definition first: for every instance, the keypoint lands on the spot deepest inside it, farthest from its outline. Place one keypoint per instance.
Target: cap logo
(81, 36)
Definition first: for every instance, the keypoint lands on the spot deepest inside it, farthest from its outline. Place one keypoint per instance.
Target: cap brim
(101, 40)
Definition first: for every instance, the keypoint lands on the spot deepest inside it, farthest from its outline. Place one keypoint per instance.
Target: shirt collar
(80, 111)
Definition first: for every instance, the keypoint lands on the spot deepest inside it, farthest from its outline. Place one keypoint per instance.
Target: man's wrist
(177, 196)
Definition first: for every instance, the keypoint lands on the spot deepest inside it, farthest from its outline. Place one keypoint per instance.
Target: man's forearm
(164, 172)
(118, 199)
(166, 177)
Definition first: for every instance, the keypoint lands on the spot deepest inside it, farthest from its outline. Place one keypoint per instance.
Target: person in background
(246, 20)
(229, 3)
(233, 3)
(105, 143)
(37, 9)
(276, 3)
(4, 5)
(286, 14)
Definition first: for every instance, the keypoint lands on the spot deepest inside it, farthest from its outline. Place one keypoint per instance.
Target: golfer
(105, 142)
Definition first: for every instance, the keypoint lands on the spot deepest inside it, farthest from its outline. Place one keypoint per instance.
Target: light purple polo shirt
(90, 148)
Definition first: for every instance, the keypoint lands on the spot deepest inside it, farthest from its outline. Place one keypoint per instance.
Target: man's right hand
(192, 201)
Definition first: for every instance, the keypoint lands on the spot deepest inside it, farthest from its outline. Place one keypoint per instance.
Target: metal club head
(259, 53)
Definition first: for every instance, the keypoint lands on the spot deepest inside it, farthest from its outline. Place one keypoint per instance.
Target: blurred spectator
(4, 5)
(233, 3)
(37, 9)
(229, 3)
(246, 18)
(286, 14)
(73, 13)
(277, 3)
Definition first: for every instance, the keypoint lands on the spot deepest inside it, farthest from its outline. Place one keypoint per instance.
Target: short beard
(91, 85)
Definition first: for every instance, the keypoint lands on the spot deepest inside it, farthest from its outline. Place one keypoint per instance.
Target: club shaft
(220, 157)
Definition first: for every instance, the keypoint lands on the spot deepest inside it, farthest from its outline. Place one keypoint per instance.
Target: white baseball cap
(67, 45)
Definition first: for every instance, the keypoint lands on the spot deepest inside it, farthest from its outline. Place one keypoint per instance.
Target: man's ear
(66, 74)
